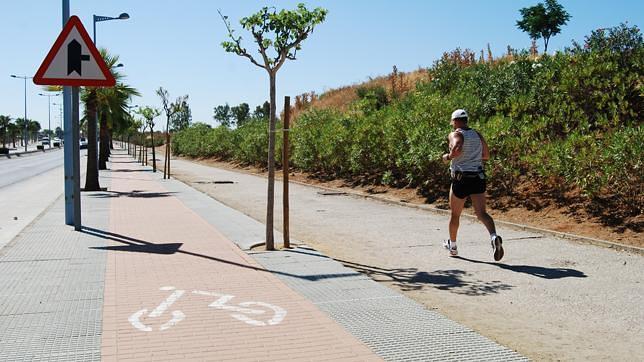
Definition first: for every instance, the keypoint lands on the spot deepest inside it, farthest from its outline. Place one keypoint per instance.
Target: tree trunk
(271, 168)
(154, 159)
(166, 160)
(91, 176)
(104, 144)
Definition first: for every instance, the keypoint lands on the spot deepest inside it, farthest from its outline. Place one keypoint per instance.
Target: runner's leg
(456, 206)
(478, 202)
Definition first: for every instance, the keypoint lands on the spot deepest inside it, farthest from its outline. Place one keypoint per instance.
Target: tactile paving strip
(392, 325)
(51, 288)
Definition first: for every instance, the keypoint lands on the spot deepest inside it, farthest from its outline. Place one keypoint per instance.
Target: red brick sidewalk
(177, 289)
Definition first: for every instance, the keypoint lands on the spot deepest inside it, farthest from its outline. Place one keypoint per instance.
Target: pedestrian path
(155, 275)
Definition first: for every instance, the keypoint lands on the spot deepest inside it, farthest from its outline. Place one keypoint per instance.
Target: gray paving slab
(392, 325)
(51, 287)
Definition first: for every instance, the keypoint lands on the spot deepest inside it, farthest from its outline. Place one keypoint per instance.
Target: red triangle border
(74, 22)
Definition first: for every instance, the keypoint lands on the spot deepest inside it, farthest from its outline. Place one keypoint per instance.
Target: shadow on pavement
(411, 279)
(150, 249)
(133, 161)
(142, 246)
(537, 271)
(133, 193)
(131, 170)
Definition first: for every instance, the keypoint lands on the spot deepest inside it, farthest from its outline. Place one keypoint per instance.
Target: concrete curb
(515, 226)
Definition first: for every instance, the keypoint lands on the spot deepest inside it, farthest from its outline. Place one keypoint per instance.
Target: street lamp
(99, 18)
(49, 110)
(26, 123)
(60, 117)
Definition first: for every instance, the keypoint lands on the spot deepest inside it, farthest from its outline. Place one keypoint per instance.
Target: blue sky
(176, 44)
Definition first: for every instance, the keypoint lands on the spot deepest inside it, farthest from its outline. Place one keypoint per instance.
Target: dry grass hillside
(396, 84)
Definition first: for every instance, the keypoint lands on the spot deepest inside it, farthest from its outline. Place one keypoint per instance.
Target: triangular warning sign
(74, 60)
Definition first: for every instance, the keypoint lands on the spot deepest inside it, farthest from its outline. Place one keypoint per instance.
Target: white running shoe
(497, 248)
(451, 247)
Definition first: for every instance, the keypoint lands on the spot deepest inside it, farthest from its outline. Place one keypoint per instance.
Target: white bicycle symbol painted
(240, 312)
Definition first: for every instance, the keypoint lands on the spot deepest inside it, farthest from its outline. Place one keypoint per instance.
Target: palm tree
(110, 104)
(20, 124)
(114, 114)
(4, 125)
(34, 128)
(14, 132)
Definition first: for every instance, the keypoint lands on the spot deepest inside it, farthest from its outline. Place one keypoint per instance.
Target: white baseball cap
(459, 113)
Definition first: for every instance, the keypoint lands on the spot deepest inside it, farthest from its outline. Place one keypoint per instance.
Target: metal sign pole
(68, 142)
(76, 157)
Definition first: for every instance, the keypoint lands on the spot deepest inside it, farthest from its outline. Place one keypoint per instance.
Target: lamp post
(49, 110)
(60, 117)
(98, 19)
(24, 77)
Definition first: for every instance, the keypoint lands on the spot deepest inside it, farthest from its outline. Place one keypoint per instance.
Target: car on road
(82, 143)
(56, 142)
(45, 141)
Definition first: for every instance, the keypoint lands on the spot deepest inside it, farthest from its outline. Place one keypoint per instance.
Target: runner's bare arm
(485, 155)
(455, 146)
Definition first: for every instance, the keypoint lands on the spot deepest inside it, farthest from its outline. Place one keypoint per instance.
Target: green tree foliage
(34, 128)
(20, 123)
(223, 115)
(174, 109)
(374, 98)
(543, 21)
(182, 119)
(568, 122)
(4, 127)
(263, 111)
(241, 113)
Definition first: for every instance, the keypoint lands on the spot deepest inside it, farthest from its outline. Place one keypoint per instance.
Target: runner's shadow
(537, 271)
(453, 280)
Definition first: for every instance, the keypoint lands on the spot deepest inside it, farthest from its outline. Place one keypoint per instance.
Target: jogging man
(467, 151)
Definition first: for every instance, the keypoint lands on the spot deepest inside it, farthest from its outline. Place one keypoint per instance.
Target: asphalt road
(19, 168)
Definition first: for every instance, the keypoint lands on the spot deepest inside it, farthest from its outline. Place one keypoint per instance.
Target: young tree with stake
(279, 36)
(150, 113)
(171, 109)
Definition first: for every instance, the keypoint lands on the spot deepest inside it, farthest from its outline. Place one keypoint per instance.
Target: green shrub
(568, 120)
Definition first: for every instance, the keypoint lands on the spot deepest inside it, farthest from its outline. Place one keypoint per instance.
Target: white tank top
(470, 159)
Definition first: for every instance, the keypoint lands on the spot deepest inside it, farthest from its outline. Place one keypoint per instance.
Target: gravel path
(549, 299)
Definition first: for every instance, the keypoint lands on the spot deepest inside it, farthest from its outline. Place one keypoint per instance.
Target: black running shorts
(468, 186)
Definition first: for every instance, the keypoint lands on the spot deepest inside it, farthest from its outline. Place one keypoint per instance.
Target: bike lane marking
(208, 299)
